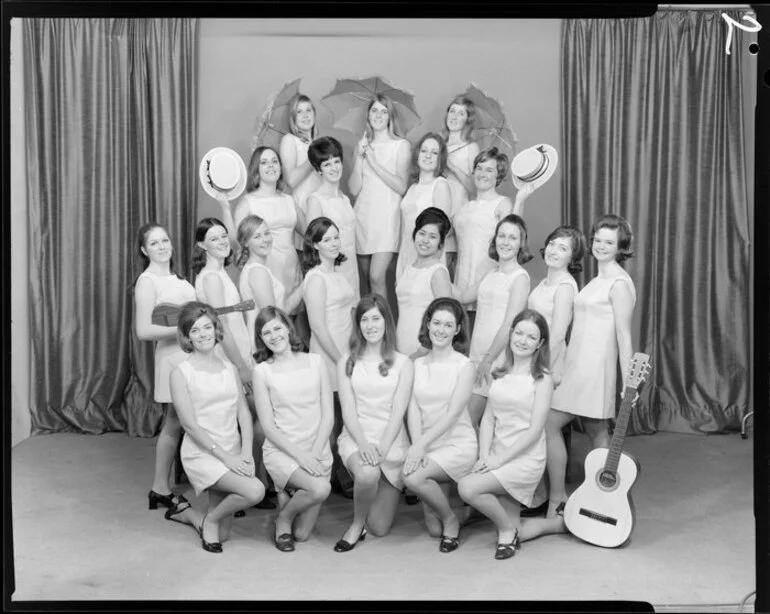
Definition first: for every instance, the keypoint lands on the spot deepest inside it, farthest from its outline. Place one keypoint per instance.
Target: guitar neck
(621, 426)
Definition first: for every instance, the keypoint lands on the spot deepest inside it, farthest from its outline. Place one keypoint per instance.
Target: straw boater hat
(223, 173)
(534, 166)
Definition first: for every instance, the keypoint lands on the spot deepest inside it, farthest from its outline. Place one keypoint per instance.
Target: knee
(467, 489)
(320, 491)
(379, 528)
(301, 535)
(367, 477)
(256, 492)
(411, 481)
(171, 425)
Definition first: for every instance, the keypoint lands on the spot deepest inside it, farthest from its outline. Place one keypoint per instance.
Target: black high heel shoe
(345, 546)
(170, 501)
(506, 551)
(215, 547)
(449, 544)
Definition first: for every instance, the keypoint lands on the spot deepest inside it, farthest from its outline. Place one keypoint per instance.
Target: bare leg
(240, 492)
(481, 490)
(476, 407)
(311, 493)
(556, 459)
(165, 450)
(365, 485)
(535, 527)
(383, 509)
(598, 432)
(425, 482)
(378, 269)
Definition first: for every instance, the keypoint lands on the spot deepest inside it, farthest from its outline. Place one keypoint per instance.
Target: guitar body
(600, 511)
(167, 314)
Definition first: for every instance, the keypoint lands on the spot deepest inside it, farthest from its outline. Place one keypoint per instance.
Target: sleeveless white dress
(340, 299)
(279, 293)
(414, 294)
(460, 157)
(418, 197)
(168, 354)
(541, 300)
(374, 394)
(378, 220)
(339, 211)
(296, 401)
(307, 186)
(457, 450)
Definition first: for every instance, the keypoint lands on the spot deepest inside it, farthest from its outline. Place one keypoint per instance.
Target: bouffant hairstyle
(268, 314)
(625, 235)
(322, 149)
(443, 156)
(357, 343)
(493, 153)
(578, 242)
(189, 315)
(541, 359)
(524, 254)
(252, 177)
(433, 215)
(314, 233)
(461, 340)
(470, 108)
(199, 254)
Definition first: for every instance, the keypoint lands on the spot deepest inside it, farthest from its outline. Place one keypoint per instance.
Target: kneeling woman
(294, 405)
(208, 396)
(512, 447)
(375, 382)
(444, 446)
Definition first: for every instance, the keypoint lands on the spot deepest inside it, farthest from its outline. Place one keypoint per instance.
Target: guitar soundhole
(608, 479)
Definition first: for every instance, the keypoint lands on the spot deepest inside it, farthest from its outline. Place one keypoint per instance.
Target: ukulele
(601, 511)
(167, 314)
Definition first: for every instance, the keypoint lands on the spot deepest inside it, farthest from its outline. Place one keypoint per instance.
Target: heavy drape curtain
(111, 144)
(654, 131)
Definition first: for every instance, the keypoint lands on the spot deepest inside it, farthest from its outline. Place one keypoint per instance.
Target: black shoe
(239, 514)
(533, 512)
(506, 551)
(345, 546)
(170, 500)
(215, 547)
(284, 542)
(560, 509)
(178, 509)
(266, 504)
(411, 499)
(449, 544)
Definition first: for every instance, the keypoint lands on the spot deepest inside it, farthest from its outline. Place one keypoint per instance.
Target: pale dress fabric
(279, 293)
(417, 198)
(460, 157)
(339, 211)
(281, 217)
(168, 354)
(214, 401)
(296, 400)
(306, 187)
(541, 300)
(378, 218)
(374, 394)
(493, 295)
(414, 294)
(235, 321)
(512, 400)
(588, 385)
(340, 299)
(457, 449)
(474, 226)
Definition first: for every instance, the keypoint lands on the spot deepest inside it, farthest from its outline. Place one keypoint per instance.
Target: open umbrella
(491, 128)
(274, 122)
(349, 99)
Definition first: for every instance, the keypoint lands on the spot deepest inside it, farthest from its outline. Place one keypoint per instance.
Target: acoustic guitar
(167, 314)
(601, 511)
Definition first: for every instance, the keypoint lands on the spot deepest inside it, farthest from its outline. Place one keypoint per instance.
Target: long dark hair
(252, 176)
(357, 343)
(141, 240)
(199, 255)
(265, 315)
(453, 306)
(314, 233)
(541, 359)
(441, 164)
(578, 242)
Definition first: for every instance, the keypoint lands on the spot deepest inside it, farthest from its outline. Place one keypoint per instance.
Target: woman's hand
(310, 463)
(370, 455)
(482, 370)
(415, 458)
(238, 465)
(363, 145)
(481, 463)
(487, 464)
(247, 462)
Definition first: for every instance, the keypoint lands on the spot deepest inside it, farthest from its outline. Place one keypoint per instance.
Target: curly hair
(189, 314)
(625, 234)
(493, 153)
(444, 303)
(578, 242)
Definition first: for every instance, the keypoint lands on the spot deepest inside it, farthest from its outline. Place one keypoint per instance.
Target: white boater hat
(223, 173)
(534, 166)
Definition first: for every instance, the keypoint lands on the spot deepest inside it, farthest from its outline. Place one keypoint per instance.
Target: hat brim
(553, 162)
(237, 189)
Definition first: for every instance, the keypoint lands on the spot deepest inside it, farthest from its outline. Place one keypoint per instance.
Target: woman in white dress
(425, 279)
(375, 383)
(512, 446)
(294, 404)
(444, 445)
(458, 125)
(297, 171)
(599, 340)
(500, 294)
(378, 182)
(160, 283)
(325, 155)
(217, 445)
(428, 189)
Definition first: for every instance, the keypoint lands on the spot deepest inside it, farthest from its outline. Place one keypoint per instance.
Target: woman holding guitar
(601, 335)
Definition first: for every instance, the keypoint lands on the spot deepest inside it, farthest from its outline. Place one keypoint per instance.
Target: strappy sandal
(180, 507)
(449, 544)
(170, 500)
(560, 509)
(506, 551)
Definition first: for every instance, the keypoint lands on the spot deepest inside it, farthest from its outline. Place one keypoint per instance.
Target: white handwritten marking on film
(756, 27)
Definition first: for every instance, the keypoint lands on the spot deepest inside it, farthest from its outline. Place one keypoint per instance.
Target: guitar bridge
(596, 516)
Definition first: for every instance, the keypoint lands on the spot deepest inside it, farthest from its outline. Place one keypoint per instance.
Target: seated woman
(208, 395)
(375, 383)
(512, 448)
(444, 446)
(294, 404)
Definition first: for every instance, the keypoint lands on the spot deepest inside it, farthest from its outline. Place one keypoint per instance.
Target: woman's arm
(486, 433)
(399, 180)
(293, 174)
(504, 207)
(440, 283)
(261, 287)
(400, 403)
(314, 208)
(180, 396)
(368, 451)
(465, 176)
(521, 196)
(442, 197)
(246, 426)
(292, 301)
(327, 413)
(623, 308)
(562, 316)
(240, 211)
(355, 181)
(144, 300)
(229, 221)
(315, 300)
(517, 301)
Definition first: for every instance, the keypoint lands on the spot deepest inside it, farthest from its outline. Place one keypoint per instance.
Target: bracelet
(212, 448)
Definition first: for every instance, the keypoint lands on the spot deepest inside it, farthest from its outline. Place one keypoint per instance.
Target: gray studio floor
(82, 531)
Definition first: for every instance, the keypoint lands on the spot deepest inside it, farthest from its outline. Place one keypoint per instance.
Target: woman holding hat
(428, 189)
(378, 181)
(325, 156)
(424, 280)
(458, 125)
(600, 339)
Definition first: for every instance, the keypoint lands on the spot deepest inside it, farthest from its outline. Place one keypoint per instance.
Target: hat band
(539, 171)
(212, 183)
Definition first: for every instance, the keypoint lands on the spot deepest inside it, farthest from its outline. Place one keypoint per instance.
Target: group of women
(434, 400)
